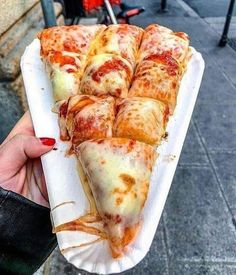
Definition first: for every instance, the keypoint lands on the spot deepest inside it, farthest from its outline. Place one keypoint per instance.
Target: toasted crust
(123, 40)
(143, 119)
(157, 77)
(158, 39)
(87, 117)
(68, 38)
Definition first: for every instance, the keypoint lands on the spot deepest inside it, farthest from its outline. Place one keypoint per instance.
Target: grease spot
(169, 158)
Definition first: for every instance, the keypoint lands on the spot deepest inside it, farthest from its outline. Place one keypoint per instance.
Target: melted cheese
(159, 39)
(103, 76)
(65, 70)
(112, 42)
(154, 80)
(90, 117)
(119, 172)
(122, 40)
(143, 119)
(64, 84)
(76, 38)
(87, 190)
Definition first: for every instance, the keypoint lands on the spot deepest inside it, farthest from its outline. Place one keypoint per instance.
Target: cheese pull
(118, 171)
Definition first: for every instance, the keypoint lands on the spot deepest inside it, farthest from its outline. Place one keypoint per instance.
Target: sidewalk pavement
(213, 8)
(197, 232)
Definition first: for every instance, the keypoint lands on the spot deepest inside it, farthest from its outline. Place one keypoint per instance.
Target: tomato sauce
(166, 115)
(110, 65)
(63, 109)
(166, 59)
(58, 57)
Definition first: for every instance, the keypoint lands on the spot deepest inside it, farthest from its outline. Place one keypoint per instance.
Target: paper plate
(63, 183)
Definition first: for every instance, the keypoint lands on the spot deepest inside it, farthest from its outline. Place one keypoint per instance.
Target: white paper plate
(63, 182)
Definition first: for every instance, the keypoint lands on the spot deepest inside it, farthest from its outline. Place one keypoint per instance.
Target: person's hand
(20, 165)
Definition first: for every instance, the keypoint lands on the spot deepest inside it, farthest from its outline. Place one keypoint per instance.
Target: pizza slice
(65, 70)
(123, 40)
(107, 74)
(85, 117)
(64, 50)
(140, 118)
(77, 38)
(61, 108)
(118, 171)
(158, 39)
(157, 76)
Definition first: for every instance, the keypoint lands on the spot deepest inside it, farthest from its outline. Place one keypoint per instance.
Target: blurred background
(197, 231)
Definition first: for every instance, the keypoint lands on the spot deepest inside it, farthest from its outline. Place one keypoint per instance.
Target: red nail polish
(47, 141)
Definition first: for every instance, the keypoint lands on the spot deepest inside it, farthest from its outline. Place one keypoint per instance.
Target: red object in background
(132, 12)
(93, 4)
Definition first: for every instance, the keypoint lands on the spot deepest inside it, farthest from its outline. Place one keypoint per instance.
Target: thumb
(15, 152)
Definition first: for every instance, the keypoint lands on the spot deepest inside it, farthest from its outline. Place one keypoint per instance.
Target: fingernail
(47, 141)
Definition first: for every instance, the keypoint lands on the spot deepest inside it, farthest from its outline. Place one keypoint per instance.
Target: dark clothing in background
(26, 238)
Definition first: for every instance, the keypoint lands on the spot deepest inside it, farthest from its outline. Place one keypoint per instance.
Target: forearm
(26, 238)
